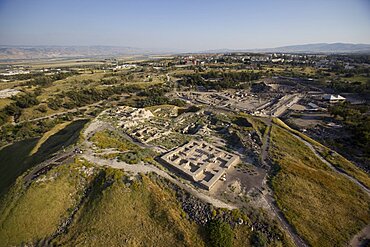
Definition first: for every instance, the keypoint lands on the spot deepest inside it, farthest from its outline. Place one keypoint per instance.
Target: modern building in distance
(334, 98)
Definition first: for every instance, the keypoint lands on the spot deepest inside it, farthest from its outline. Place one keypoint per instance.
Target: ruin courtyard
(201, 162)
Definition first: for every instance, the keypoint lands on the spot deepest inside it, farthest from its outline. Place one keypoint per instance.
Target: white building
(334, 98)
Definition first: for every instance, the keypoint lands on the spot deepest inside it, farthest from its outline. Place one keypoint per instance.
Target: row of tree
(220, 80)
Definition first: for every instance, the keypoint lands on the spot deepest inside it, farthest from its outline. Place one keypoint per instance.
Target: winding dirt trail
(363, 236)
(147, 168)
(269, 197)
(310, 146)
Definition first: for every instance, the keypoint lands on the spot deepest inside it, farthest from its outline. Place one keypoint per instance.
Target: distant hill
(322, 48)
(35, 52)
(307, 48)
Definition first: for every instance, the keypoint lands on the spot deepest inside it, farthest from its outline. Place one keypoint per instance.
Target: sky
(186, 25)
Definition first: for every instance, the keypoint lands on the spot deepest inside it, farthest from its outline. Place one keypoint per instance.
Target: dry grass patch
(326, 208)
(331, 156)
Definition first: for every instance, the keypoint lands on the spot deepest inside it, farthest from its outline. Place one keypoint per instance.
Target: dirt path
(139, 168)
(58, 113)
(145, 168)
(269, 197)
(362, 238)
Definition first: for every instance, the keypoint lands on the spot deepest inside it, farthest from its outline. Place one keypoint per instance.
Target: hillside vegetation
(27, 216)
(326, 208)
(114, 210)
(332, 157)
(138, 213)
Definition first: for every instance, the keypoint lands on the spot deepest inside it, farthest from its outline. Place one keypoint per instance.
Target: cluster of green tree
(357, 121)
(241, 76)
(86, 96)
(339, 68)
(135, 156)
(350, 87)
(258, 239)
(352, 58)
(109, 81)
(10, 133)
(15, 108)
(153, 91)
(47, 80)
(155, 95)
(56, 102)
(220, 80)
(220, 234)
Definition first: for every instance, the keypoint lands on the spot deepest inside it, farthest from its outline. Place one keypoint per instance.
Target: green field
(326, 208)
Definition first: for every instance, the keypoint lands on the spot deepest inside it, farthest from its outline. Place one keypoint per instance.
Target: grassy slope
(46, 136)
(131, 153)
(107, 139)
(15, 159)
(325, 208)
(143, 213)
(4, 103)
(333, 157)
(32, 214)
(140, 214)
(12, 166)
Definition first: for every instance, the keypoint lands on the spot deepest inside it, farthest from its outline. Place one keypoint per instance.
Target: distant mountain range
(325, 48)
(37, 52)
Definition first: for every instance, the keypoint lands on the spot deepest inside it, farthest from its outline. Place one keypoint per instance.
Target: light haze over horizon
(184, 25)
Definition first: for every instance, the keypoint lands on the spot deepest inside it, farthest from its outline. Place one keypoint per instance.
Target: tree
(258, 239)
(42, 109)
(220, 234)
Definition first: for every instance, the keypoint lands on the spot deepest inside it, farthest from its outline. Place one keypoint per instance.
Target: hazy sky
(183, 24)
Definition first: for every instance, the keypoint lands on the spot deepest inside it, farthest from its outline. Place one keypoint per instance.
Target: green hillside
(137, 214)
(326, 208)
(115, 210)
(29, 215)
